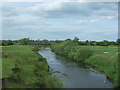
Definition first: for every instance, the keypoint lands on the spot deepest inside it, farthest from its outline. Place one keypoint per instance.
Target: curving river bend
(73, 74)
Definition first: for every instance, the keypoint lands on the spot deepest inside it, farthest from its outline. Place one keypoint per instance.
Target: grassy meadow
(103, 58)
(22, 67)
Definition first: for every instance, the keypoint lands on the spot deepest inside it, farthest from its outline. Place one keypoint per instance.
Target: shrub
(82, 54)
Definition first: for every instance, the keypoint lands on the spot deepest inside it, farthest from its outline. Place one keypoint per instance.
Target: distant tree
(112, 43)
(57, 41)
(99, 43)
(87, 42)
(118, 41)
(76, 39)
(24, 41)
(10, 42)
(93, 43)
(68, 40)
(105, 43)
(7, 42)
(82, 43)
(45, 41)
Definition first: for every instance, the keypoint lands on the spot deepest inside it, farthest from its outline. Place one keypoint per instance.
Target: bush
(82, 54)
(72, 50)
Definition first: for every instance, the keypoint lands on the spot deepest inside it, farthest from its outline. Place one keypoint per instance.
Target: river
(75, 75)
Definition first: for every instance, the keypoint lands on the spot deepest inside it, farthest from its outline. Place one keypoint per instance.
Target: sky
(60, 20)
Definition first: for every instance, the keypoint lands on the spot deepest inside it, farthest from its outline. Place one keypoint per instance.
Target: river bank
(22, 67)
(74, 74)
(102, 58)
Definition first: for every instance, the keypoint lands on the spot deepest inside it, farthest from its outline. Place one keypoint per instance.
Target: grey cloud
(74, 9)
(30, 20)
(64, 9)
(9, 10)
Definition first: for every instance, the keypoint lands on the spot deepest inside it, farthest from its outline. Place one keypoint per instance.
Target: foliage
(7, 42)
(27, 41)
(71, 50)
(76, 39)
(118, 41)
(24, 41)
(36, 48)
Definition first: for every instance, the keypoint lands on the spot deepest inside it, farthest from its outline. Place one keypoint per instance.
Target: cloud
(59, 9)
(81, 22)
(24, 20)
(56, 20)
(22, 0)
(9, 10)
(94, 21)
(60, 0)
(72, 9)
(111, 17)
(86, 21)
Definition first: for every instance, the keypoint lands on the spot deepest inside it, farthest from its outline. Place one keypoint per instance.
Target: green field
(24, 68)
(103, 58)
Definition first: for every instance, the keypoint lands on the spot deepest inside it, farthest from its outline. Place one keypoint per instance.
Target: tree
(45, 42)
(56, 41)
(68, 40)
(76, 39)
(87, 42)
(25, 41)
(7, 42)
(105, 43)
(93, 43)
(118, 41)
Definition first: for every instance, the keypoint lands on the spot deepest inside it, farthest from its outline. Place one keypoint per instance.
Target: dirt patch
(115, 47)
(99, 55)
(3, 53)
(9, 80)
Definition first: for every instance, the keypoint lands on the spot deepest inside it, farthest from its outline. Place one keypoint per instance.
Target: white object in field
(104, 81)
(105, 52)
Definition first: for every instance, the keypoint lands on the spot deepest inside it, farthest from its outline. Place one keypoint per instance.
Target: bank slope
(24, 68)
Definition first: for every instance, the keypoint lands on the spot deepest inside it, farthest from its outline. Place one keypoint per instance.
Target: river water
(75, 75)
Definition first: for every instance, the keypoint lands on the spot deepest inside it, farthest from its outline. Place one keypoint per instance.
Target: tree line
(27, 41)
(24, 41)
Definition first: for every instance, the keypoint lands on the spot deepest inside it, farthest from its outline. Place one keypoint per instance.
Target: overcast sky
(60, 20)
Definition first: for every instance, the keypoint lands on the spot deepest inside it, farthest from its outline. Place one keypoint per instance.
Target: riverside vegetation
(103, 58)
(23, 67)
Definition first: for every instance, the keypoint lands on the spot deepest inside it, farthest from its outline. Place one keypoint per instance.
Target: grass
(24, 68)
(103, 58)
